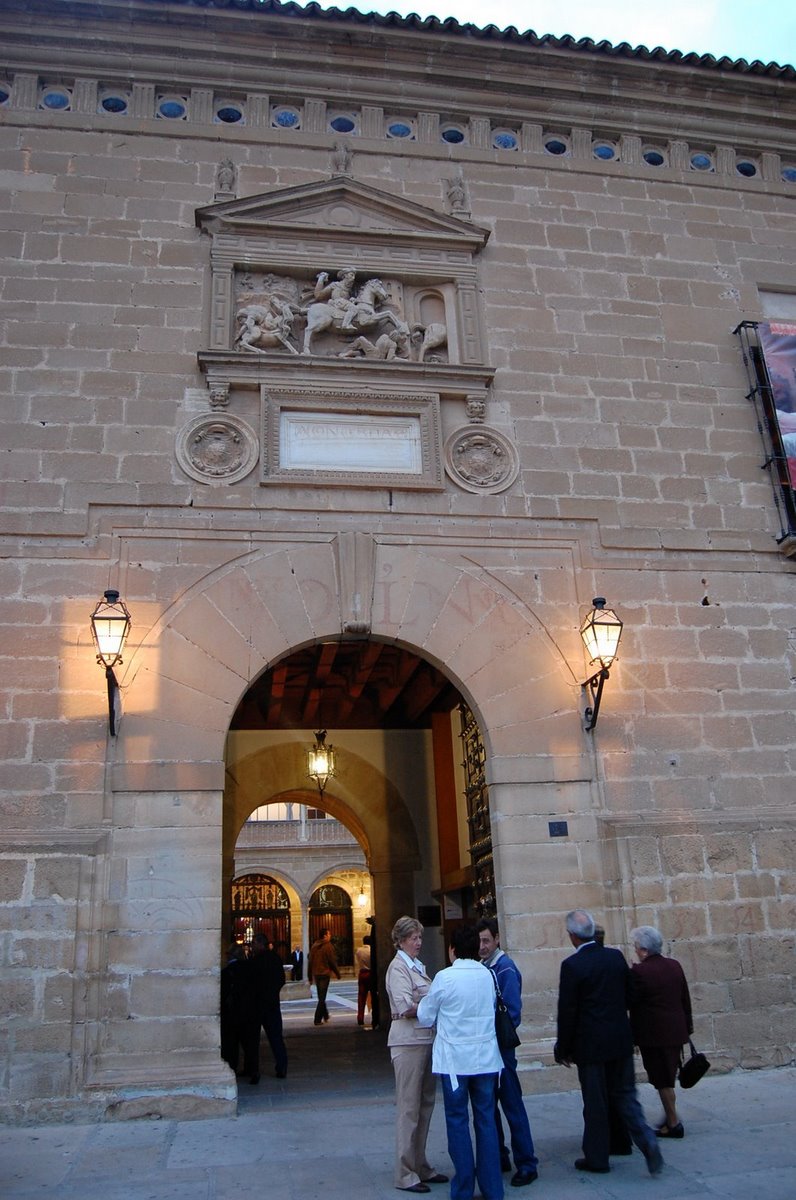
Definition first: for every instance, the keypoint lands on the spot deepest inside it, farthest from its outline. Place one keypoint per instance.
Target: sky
(750, 29)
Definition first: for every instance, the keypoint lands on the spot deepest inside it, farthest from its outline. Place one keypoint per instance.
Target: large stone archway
(473, 613)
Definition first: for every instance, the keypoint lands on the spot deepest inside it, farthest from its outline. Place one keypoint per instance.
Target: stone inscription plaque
(340, 436)
(345, 442)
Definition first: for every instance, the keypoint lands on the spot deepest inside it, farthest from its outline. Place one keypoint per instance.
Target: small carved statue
(457, 196)
(225, 176)
(341, 159)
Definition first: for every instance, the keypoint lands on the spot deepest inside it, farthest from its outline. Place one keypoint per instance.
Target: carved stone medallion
(217, 449)
(481, 459)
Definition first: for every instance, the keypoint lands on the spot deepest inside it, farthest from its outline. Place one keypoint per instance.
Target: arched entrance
(189, 766)
(330, 908)
(261, 905)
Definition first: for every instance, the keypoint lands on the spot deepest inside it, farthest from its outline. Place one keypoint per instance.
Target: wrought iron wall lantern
(110, 625)
(601, 632)
(320, 761)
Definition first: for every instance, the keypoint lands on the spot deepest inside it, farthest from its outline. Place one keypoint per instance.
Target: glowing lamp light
(320, 761)
(601, 633)
(110, 625)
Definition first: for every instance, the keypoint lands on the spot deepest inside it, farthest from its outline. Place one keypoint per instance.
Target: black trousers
(270, 1019)
(606, 1086)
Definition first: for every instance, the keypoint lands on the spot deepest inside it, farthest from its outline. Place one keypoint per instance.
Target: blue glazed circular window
(555, 146)
(57, 100)
(343, 124)
(113, 104)
(230, 114)
(746, 168)
(453, 135)
(789, 174)
(604, 151)
(399, 129)
(285, 118)
(701, 162)
(172, 110)
(504, 139)
(653, 158)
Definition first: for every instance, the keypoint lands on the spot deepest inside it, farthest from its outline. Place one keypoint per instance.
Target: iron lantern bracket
(113, 699)
(595, 686)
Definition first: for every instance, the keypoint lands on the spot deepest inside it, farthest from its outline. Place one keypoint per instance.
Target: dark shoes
(281, 1074)
(524, 1177)
(583, 1164)
(416, 1187)
(675, 1131)
(654, 1161)
(438, 1178)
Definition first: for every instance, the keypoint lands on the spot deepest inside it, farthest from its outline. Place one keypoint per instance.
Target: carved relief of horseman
(336, 308)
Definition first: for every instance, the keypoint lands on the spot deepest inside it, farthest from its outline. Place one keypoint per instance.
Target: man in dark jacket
(268, 978)
(509, 1093)
(322, 965)
(236, 1004)
(594, 1033)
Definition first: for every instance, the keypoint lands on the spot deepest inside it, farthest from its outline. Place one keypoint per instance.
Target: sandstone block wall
(608, 294)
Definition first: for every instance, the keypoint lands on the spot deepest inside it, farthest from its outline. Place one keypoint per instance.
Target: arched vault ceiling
(347, 685)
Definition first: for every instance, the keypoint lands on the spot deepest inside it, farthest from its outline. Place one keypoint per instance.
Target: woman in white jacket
(461, 1002)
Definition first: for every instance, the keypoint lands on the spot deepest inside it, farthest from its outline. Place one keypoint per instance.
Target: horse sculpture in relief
(336, 308)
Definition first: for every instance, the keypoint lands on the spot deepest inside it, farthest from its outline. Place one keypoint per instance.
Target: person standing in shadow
(236, 1004)
(297, 964)
(322, 965)
(268, 978)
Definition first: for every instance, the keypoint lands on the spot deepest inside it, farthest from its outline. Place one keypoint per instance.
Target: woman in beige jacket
(410, 1049)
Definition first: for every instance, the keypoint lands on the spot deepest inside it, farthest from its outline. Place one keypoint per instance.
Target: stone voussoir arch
(183, 683)
(362, 798)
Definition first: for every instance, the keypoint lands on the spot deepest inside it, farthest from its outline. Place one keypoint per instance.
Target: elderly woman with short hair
(410, 1049)
(660, 1013)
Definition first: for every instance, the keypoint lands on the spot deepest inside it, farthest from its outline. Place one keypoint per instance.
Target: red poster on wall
(778, 347)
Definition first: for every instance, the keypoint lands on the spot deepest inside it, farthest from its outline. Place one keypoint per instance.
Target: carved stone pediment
(339, 286)
(350, 211)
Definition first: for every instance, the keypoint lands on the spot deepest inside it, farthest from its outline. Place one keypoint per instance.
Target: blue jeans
(509, 1094)
(480, 1092)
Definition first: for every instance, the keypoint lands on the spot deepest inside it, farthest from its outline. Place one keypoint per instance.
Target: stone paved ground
(326, 1133)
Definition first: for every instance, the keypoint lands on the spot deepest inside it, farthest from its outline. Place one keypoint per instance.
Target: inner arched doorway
(261, 905)
(405, 788)
(330, 908)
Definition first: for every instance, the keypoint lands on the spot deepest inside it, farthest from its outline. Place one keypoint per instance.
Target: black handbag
(692, 1070)
(507, 1036)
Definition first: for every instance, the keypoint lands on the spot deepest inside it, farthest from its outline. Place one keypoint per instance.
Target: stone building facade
(341, 331)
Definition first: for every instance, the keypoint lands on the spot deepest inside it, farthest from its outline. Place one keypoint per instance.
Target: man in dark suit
(297, 962)
(594, 1033)
(268, 978)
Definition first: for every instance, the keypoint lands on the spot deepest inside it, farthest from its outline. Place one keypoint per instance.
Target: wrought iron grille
(769, 355)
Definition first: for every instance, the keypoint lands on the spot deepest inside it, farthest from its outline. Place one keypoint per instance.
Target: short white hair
(580, 923)
(647, 938)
